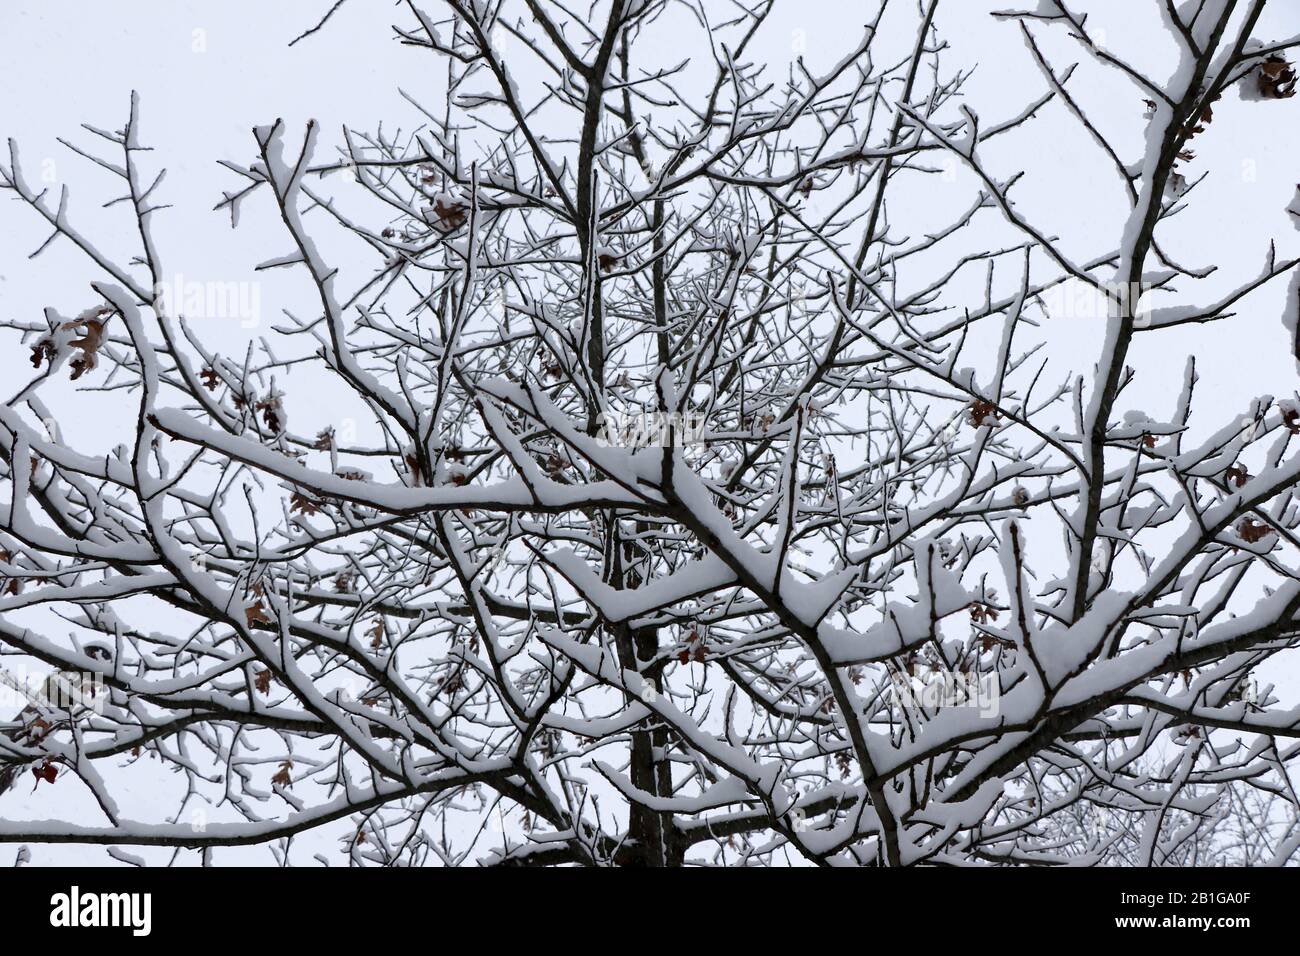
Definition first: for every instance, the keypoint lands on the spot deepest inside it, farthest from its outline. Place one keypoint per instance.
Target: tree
(704, 499)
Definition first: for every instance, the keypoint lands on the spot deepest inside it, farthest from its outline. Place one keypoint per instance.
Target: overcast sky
(209, 70)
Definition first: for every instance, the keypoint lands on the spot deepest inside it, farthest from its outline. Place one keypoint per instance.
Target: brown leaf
(301, 504)
(1252, 530)
(451, 215)
(694, 649)
(46, 771)
(1291, 418)
(270, 409)
(42, 351)
(1237, 475)
(210, 379)
(282, 777)
(988, 642)
(262, 681)
(413, 466)
(452, 684)
(255, 614)
(88, 343)
(37, 730)
(980, 411)
(1276, 78)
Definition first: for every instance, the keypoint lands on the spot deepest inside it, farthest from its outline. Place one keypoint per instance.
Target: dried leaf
(981, 411)
(270, 409)
(451, 215)
(413, 467)
(88, 343)
(1276, 78)
(43, 351)
(282, 777)
(1251, 530)
(255, 614)
(301, 504)
(1291, 418)
(37, 730)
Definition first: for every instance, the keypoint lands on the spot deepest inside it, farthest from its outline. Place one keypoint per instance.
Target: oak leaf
(980, 411)
(1252, 531)
(301, 504)
(282, 777)
(450, 214)
(89, 343)
(255, 614)
(1276, 78)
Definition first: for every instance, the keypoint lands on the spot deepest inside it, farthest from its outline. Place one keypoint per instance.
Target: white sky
(209, 70)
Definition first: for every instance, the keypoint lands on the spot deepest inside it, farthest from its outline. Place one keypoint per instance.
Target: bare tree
(705, 499)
